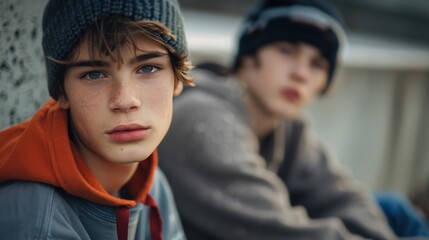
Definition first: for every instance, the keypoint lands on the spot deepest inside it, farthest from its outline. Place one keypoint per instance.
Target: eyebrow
(88, 63)
(146, 56)
(99, 63)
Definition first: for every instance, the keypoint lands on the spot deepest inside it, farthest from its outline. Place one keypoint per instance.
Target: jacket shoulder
(31, 210)
(24, 205)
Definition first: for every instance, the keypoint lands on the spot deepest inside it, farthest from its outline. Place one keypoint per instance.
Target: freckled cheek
(96, 96)
(88, 113)
(84, 125)
(85, 110)
(159, 101)
(86, 105)
(161, 104)
(84, 94)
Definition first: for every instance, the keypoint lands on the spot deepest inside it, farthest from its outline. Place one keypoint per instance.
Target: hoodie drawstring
(122, 220)
(154, 219)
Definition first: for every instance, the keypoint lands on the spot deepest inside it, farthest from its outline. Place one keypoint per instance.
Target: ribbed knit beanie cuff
(311, 21)
(65, 21)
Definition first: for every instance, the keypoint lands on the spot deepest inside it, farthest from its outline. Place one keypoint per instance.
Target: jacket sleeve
(221, 184)
(316, 182)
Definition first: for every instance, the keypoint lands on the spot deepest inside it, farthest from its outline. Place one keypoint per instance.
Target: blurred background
(375, 119)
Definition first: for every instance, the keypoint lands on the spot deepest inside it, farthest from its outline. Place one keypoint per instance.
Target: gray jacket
(31, 210)
(228, 184)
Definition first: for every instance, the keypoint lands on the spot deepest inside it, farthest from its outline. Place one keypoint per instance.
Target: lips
(127, 133)
(291, 94)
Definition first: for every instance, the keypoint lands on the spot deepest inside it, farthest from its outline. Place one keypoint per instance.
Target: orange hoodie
(40, 150)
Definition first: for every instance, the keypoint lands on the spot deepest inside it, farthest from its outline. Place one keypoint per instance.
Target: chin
(130, 155)
(283, 111)
(123, 160)
(287, 114)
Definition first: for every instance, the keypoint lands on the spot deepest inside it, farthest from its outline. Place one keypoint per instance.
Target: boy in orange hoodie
(85, 165)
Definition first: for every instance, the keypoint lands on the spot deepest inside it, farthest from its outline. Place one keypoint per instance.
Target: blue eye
(148, 69)
(93, 75)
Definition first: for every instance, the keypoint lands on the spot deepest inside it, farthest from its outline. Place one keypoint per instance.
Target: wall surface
(375, 121)
(23, 87)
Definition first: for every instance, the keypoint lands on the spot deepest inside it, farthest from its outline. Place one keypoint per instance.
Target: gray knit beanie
(65, 21)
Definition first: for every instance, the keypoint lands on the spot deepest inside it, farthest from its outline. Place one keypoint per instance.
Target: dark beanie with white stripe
(65, 21)
(311, 21)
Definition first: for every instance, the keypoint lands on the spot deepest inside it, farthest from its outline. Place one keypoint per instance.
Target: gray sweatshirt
(228, 184)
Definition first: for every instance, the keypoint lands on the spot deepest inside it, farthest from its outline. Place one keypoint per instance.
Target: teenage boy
(246, 166)
(85, 165)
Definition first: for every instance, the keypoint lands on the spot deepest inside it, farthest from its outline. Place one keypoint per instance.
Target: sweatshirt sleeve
(220, 182)
(318, 183)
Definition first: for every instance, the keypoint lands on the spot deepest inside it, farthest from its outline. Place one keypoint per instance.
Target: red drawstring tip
(122, 220)
(155, 219)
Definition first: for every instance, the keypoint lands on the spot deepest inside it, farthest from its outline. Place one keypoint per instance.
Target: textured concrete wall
(23, 87)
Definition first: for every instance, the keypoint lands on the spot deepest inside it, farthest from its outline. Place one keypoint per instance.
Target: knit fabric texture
(65, 21)
(311, 21)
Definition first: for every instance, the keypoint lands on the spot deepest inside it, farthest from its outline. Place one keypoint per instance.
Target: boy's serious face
(284, 77)
(120, 112)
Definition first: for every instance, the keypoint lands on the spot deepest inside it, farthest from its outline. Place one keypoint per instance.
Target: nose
(124, 97)
(300, 70)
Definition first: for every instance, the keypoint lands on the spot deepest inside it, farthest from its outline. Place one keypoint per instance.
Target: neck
(261, 120)
(112, 176)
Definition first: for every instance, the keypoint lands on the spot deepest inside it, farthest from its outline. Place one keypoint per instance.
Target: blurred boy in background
(246, 165)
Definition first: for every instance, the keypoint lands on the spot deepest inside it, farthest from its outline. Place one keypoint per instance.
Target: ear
(178, 88)
(64, 103)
